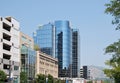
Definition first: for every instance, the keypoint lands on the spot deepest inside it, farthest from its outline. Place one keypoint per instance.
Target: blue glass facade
(58, 40)
(45, 39)
(63, 47)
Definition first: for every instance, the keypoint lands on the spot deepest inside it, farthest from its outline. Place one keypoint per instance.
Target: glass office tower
(45, 38)
(62, 42)
(75, 53)
(63, 48)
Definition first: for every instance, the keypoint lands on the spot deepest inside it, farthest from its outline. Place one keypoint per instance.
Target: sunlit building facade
(46, 64)
(9, 48)
(58, 38)
(64, 48)
(45, 39)
(28, 56)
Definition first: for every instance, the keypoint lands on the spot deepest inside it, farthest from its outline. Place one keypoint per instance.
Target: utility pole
(10, 70)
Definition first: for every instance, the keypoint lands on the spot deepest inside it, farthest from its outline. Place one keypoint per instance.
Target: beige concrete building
(46, 64)
(26, 40)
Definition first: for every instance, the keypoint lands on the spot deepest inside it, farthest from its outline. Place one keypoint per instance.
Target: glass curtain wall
(45, 37)
(28, 62)
(63, 47)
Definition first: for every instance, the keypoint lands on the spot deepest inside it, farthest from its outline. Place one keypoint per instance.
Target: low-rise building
(46, 64)
(84, 72)
(92, 73)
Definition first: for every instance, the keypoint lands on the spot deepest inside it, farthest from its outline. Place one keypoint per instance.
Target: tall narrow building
(9, 47)
(63, 48)
(75, 53)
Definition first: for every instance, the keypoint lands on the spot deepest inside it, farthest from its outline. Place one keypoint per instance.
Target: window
(1, 19)
(5, 66)
(16, 67)
(24, 38)
(6, 37)
(6, 47)
(6, 27)
(6, 56)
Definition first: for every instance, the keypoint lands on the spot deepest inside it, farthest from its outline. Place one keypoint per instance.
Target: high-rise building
(28, 56)
(45, 39)
(63, 48)
(57, 39)
(9, 47)
(75, 53)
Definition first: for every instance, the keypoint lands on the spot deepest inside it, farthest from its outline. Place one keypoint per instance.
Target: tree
(113, 8)
(50, 79)
(36, 47)
(41, 78)
(57, 81)
(89, 82)
(23, 77)
(114, 62)
(3, 76)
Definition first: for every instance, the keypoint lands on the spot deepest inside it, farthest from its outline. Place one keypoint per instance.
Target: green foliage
(114, 62)
(57, 81)
(106, 81)
(41, 78)
(113, 8)
(50, 79)
(63, 81)
(3, 76)
(23, 77)
(36, 47)
(89, 81)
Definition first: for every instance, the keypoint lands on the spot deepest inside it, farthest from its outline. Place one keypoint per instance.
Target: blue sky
(96, 30)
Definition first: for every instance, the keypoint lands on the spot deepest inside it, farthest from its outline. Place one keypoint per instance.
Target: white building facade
(10, 48)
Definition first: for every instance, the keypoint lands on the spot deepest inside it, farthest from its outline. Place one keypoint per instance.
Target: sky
(96, 30)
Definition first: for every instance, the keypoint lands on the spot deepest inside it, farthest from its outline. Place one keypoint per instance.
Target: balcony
(7, 42)
(6, 56)
(7, 22)
(7, 52)
(6, 27)
(6, 71)
(6, 61)
(6, 32)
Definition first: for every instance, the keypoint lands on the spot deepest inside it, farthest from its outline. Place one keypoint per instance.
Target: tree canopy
(113, 8)
(36, 47)
(23, 77)
(41, 78)
(114, 62)
(50, 78)
(3, 76)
